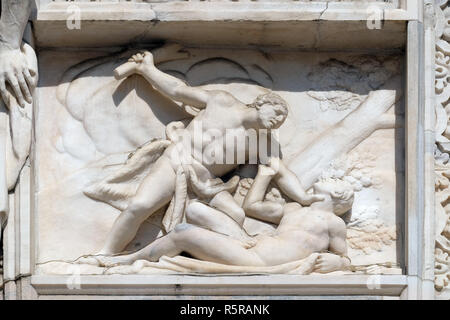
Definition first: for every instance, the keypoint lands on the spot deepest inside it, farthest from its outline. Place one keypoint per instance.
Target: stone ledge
(390, 285)
(299, 35)
(223, 11)
(291, 25)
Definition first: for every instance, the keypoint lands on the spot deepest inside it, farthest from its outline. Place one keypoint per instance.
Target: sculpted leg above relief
(18, 79)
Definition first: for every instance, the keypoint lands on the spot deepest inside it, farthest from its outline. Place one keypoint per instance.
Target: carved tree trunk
(370, 116)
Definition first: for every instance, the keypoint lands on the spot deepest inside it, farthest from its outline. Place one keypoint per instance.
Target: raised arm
(13, 64)
(168, 85)
(254, 204)
(290, 185)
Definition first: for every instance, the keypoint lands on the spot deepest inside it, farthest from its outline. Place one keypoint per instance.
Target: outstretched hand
(138, 62)
(14, 71)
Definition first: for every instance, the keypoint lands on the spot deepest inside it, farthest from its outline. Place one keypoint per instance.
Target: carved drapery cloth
(118, 188)
(442, 151)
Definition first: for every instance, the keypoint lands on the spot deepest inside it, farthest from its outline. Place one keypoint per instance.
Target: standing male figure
(220, 112)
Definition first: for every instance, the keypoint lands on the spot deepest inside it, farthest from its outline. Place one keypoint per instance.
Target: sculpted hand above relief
(136, 64)
(18, 78)
(14, 71)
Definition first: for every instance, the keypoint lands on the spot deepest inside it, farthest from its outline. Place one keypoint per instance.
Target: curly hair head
(272, 99)
(341, 192)
(270, 119)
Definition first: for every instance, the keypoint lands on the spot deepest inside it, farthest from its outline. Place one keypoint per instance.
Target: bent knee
(139, 209)
(194, 204)
(182, 227)
(137, 206)
(194, 209)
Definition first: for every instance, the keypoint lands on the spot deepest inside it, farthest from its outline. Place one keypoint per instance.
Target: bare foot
(106, 260)
(111, 261)
(88, 260)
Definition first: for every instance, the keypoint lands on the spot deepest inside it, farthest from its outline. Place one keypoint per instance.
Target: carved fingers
(135, 64)
(200, 188)
(138, 61)
(138, 58)
(28, 75)
(14, 72)
(21, 89)
(209, 188)
(327, 262)
(3, 92)
(145, 57)
(249, 243)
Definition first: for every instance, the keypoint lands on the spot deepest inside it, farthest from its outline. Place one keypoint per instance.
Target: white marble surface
(87, 123)
(104, 126)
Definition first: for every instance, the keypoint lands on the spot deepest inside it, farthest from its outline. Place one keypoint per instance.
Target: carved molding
(442, 151)
(391, 1)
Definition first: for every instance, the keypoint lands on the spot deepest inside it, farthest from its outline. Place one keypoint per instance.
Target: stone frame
(417, 281)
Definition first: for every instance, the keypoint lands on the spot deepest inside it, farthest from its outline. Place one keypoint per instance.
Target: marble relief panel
(112, 197)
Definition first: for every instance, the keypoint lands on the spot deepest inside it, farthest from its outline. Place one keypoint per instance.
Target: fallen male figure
(313, 238)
